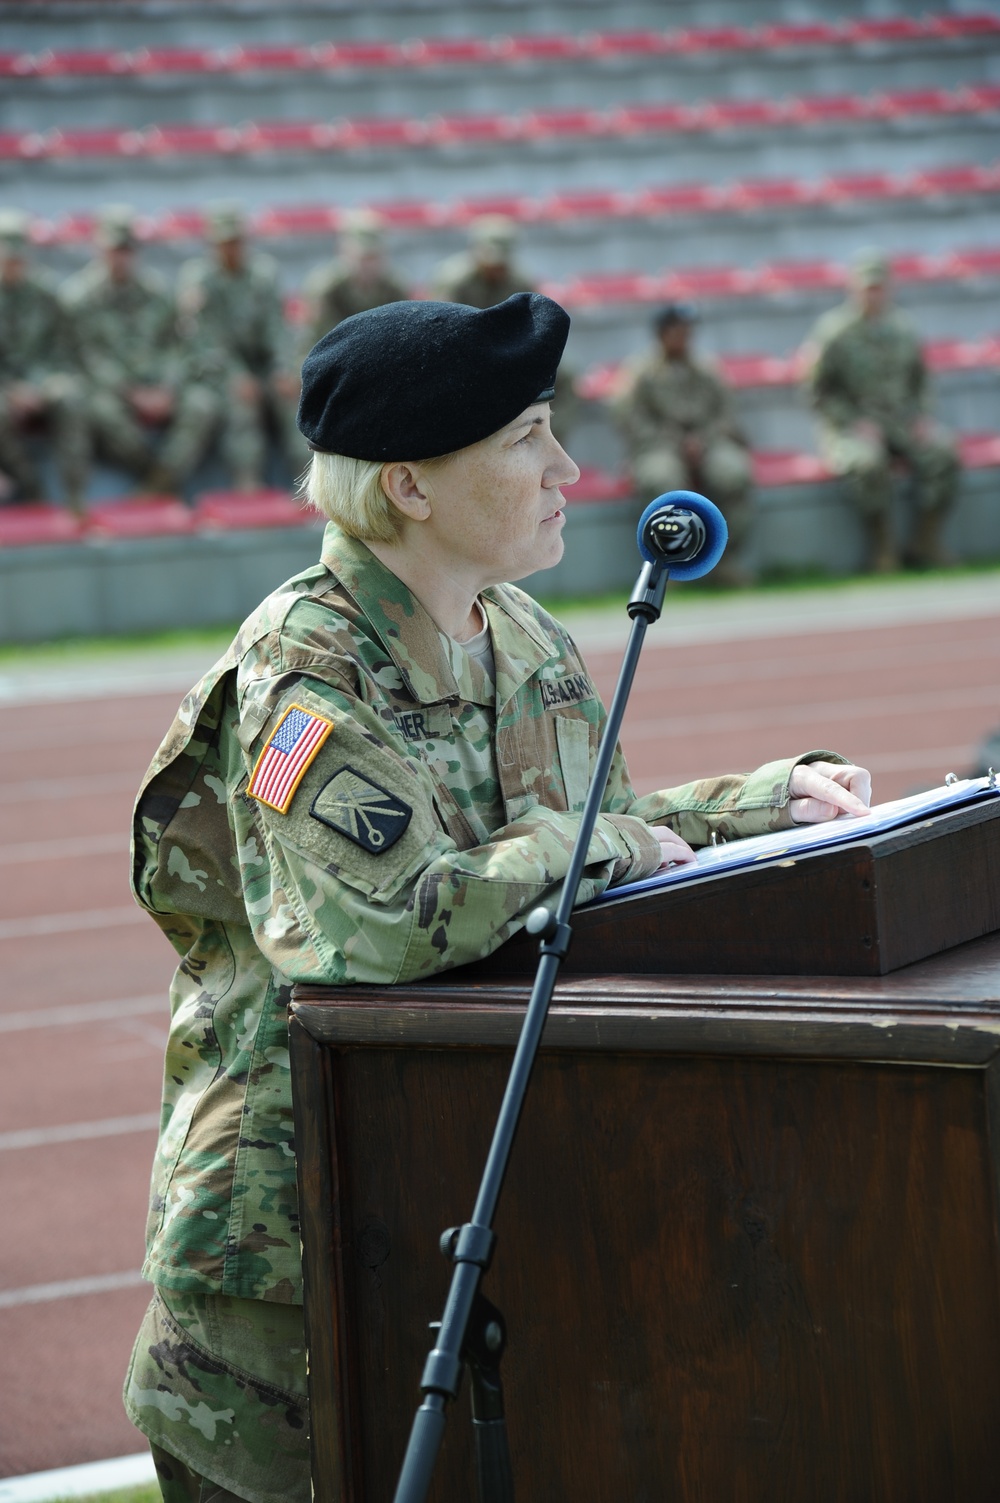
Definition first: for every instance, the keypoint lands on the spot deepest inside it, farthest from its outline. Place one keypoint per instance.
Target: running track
(82, 1010)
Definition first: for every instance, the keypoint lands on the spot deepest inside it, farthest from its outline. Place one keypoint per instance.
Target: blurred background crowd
(772, 230)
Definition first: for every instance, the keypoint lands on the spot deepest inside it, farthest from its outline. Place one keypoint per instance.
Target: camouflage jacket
(459, 280)
(660, 401)
(35, 334)
(236, 320)
(127, 332)
(333, 293)
(426, 816)
(866, 368)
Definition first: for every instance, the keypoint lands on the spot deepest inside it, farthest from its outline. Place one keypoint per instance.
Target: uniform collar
(424, 655)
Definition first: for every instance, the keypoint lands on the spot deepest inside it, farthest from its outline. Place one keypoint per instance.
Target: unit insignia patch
(369, 815)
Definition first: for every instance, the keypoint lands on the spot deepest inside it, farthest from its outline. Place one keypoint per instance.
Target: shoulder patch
(369, 815)
(287, 757)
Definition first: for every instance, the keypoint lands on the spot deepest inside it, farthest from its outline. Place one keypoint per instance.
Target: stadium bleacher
(734, 152)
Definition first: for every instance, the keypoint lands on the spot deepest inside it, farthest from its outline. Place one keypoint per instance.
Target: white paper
(803, 838)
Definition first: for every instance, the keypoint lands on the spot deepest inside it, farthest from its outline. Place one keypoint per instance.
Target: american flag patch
(287, 757)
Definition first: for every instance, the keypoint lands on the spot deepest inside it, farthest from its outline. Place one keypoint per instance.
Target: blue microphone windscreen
(716, 533)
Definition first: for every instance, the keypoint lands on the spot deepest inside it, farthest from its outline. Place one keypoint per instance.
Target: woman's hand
(673, 850)
(825, 790)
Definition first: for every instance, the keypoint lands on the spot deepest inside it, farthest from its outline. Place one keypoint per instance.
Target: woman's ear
(405, 487)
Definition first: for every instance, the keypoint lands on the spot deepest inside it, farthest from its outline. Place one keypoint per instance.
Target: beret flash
(416, 380)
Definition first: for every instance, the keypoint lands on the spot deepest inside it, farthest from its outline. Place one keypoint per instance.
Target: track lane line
(83, 1012)
(71, 923)
(77, 1132)
(100, 1283)
(72, 849)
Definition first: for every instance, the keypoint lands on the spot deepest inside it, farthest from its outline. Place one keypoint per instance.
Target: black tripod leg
(485, 1341)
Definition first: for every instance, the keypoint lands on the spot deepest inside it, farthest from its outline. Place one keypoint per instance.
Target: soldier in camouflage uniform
(358, 280)
(231, 308)
(677, 419)
(487, 274)
(867, 380)
(377, 782)
(141, 375)
(38, 379)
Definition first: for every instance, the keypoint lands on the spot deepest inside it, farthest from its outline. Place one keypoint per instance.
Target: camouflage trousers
(66, 431)
(218, 1385)
(126, 441)
(246, 430)
(866, 463)
(724, 474)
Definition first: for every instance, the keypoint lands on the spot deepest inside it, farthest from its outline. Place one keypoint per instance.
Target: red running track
(83, 1009)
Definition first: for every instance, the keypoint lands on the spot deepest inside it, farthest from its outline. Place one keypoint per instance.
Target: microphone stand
(471, 1329)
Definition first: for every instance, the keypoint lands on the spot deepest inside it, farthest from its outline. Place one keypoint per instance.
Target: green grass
(149, 1493)
(68, 648)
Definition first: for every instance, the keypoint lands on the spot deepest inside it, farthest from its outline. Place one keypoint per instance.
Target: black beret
(416, 380)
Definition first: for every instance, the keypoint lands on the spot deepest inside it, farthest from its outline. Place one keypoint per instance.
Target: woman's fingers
(673, 850)
(825, 790)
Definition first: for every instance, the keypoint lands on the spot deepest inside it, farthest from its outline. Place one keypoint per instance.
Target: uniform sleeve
(355, 878)
(731, 807)
(827, 388)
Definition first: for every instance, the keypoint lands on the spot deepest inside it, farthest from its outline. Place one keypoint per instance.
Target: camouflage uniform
(237, 322)
(436, 811)
(661, 402)
(36, 350)
(872, 370)
(334, 292)
(128, 336)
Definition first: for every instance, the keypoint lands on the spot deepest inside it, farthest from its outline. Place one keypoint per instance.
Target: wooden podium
(749, 1245)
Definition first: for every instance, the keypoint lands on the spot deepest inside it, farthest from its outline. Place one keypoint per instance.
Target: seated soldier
(867, 380)
(677, 420)
(231, 308)
(358, 280)
(141, 376)
(38, 384)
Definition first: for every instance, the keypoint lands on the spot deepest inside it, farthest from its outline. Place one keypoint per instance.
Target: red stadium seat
(94, 143)
(805, 34)
(267, 59)
(26, 526)
(190, 140)
(436, 52)
(288, 135)
(769, 193)
(952, 180)
(918, 268)
(380, 133)
(537, 49)
(470, 130)
(411, 214)
(826, 109)
(598, 485)
(16, 146)
(979, 451)
(682, 198)
(16, 64)
(140, 517)
(541, 125)
(970, 263)
(80, 64)
(467, 209)
(613, 44)
(359, 55)
(610, 288)
(597, 384)
(760, 370)
(850, 187)
(703, 282)
(743, 114)
(900, 104)
(716, 39)
(799, 276)
(957, 354)
(890, 29)
(979, 24)
(779, 467)
(235, 510)
(585, 206)
(293, 221)
(654, 118)
(150, 60)
(980, 98)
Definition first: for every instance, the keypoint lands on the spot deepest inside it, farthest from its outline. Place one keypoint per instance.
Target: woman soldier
(377, 782)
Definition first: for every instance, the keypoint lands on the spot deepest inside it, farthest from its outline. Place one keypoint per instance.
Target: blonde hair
(350, 493)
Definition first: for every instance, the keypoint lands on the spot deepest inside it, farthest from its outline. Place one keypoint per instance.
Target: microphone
(684, 531)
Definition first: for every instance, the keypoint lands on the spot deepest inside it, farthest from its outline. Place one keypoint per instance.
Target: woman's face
(496, 507)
